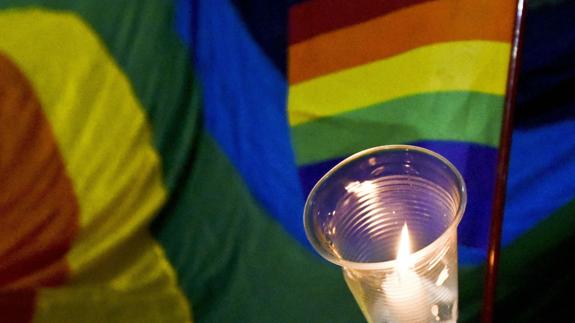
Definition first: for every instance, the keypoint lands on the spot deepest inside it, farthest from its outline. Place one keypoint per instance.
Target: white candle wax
(406, 297)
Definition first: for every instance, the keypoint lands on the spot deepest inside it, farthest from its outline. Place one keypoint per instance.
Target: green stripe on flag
(456, 116)
(238, 265)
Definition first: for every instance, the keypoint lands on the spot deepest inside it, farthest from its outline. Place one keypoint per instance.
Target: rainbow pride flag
(430, 73)
(155, 155)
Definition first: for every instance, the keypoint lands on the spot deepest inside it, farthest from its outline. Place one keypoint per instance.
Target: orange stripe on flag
(400, 31)
(37, 202)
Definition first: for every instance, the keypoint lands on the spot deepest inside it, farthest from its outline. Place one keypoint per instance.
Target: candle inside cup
(388, 216)
(404, 289)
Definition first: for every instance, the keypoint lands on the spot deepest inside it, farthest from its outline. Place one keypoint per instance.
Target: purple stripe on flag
(477, 165)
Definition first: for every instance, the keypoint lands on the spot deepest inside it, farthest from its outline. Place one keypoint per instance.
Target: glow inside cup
(388, 216)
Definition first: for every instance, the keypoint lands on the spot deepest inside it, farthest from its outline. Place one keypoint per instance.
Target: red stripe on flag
(17, 306)
(311, 18)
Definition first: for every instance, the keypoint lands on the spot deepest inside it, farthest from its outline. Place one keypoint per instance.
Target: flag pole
(502, 168)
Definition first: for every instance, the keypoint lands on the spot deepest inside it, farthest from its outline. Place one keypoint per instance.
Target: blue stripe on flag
(245, 107)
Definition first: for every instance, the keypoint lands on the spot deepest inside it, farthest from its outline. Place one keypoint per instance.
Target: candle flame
(404, 250)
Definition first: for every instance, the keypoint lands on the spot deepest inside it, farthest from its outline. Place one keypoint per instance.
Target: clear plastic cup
(388, 216)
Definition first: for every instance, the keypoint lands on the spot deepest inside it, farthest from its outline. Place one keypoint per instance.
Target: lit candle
(354, 215)
(406, 298)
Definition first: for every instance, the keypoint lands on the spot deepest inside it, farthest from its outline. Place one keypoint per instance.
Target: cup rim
(388, 263)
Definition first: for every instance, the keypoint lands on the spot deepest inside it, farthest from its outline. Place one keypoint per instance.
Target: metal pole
(502, 168)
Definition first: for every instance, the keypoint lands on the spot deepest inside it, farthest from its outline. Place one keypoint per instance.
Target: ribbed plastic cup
(388, 216)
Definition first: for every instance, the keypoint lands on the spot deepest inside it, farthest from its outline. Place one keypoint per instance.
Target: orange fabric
(38, 208)
(400, 31)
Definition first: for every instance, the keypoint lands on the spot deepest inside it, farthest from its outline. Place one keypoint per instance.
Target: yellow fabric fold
(478, 66)
(118, 271)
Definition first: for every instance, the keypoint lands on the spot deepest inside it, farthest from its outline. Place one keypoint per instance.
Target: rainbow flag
(430, 73)
(155, 155)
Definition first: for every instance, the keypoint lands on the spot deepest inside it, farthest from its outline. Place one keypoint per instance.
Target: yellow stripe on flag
(118, 271)
(478, 66)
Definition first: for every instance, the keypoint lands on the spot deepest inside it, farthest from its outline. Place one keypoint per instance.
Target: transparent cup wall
(388, 216)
